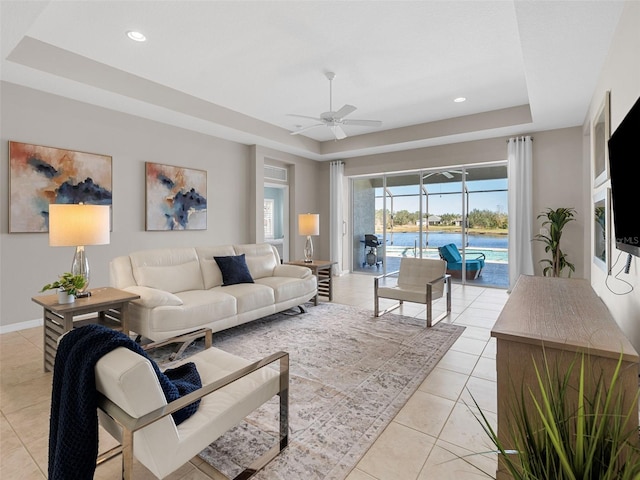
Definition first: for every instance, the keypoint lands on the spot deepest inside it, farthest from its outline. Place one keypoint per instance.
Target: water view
(405, 244)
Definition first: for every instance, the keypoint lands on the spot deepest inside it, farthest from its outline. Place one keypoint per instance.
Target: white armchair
(133, 408)
(420, 280)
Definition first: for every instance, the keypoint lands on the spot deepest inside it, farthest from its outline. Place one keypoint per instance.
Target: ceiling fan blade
(338, 132)
(447, 174)
(363, 123)
(304, 129)
(344, 111)
(304, 116)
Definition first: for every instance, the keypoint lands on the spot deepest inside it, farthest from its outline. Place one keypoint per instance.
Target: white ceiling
(235, 69)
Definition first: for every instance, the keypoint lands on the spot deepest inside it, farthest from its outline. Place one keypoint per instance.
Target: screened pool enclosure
(412, 214)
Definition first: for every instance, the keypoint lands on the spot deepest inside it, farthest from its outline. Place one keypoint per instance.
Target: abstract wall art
(176, 198)
(41, 175)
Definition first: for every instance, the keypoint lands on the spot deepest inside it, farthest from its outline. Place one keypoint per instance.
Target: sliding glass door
(415, 214)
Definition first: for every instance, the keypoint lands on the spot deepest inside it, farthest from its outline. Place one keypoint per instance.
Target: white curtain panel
(336, 172)
(520, 153)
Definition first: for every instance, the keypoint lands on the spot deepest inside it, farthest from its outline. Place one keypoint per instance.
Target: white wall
(621, 76)
(557, 177)
(558, 182)
(32, 116)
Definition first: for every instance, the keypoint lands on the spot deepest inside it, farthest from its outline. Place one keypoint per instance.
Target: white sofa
(181, 288)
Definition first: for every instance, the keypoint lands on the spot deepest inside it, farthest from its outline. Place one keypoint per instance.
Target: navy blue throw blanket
(73, 430)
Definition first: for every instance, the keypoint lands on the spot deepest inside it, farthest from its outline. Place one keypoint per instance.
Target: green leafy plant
(68, 282)
(554, 223)
(569, 434)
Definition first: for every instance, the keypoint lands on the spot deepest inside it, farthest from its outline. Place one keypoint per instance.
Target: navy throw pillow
(234, 270)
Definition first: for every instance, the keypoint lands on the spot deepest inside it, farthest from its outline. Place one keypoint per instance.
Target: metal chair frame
(130, 425)
(428, 299)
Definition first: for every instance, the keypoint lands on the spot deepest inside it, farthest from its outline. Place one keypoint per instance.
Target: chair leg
(273, 452)
(429, 298)
(127, 454)
(376, 301)
(429, 305)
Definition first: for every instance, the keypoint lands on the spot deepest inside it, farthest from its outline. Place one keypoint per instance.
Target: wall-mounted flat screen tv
(624, 170)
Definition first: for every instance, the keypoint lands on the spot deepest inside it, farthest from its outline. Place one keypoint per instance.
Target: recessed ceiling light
(137, 36)
(459, 99)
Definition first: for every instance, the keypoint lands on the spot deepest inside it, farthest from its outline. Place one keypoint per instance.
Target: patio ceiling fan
(449, 174)
(335, 120)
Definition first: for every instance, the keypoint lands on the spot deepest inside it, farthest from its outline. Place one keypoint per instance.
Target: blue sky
(442, 201)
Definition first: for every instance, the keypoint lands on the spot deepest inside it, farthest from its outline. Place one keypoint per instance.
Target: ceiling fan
(335, 120)
(446, 173)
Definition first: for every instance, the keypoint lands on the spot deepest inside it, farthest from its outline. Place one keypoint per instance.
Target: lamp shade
(309, 224)
(74, 225)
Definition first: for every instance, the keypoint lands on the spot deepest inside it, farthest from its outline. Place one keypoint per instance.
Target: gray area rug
(350, 374)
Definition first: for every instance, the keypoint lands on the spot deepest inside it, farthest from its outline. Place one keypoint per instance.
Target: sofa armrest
(152, 297)
(294, 271)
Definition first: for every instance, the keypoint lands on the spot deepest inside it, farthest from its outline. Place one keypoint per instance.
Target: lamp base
(308, 250)
(80, 266)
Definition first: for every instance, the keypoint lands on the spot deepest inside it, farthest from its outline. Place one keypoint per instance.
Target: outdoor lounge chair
(451, 255)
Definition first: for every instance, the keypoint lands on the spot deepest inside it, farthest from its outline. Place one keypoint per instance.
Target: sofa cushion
(211, 274)
(200, 307)
(262, 258)
(170, 269)
(249, 296)
(288, 288)
(152, 297)
(234, 270)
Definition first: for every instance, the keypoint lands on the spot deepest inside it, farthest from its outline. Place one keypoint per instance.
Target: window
(268, 219)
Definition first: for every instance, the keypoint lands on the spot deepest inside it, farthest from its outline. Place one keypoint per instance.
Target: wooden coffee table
(322, 270)
(109, 304)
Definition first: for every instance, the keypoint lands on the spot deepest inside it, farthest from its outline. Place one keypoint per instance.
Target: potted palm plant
(560, 431)
(68, 286)
(554, 223)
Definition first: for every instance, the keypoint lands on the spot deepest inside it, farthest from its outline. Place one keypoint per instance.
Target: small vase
(64, 297)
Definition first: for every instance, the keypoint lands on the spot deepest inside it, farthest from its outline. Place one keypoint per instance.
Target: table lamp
(308, 224)
(79, 225)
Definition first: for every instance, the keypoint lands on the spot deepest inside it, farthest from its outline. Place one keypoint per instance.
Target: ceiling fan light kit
(335, 120)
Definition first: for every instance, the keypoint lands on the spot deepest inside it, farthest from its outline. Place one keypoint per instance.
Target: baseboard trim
(14, 327)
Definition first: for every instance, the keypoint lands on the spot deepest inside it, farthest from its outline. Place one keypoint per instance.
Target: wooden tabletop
(561, 313)
(100, 297)
(315, 263)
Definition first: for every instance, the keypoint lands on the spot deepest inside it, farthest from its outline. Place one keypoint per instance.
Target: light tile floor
(425, 440)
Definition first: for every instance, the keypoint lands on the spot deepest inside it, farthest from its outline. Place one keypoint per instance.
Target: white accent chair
(133, 408)
(420, 280)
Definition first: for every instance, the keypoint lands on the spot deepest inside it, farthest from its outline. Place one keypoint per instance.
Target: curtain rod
(518, 139)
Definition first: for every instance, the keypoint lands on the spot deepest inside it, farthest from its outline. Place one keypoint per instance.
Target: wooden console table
(110, 305)
(557, 318)
(322, 270)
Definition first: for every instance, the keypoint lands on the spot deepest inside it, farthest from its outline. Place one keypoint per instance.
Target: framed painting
(602, 229)
(600, 133)
(40, 175)
(176, 198)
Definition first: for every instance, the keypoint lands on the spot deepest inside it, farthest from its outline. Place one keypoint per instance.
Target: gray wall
(557, 176)
(621, 76)
(26, 260)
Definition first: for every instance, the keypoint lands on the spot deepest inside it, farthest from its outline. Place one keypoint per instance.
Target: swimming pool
(492, 255)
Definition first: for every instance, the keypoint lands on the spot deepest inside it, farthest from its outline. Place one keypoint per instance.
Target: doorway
(276, 218)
